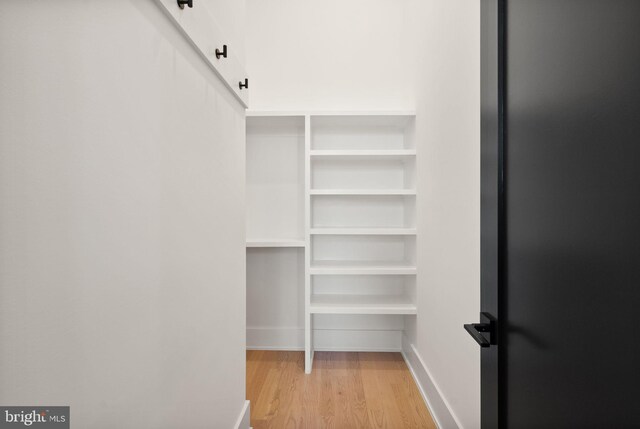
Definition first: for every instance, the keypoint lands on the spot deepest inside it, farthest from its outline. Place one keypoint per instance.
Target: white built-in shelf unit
(339, 188)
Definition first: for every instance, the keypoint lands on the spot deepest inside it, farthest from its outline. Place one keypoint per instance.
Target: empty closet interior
(331, 230)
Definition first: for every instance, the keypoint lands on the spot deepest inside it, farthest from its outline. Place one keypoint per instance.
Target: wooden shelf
(383, 192)
(276, 243)
(366, 154)
(360, 268)
(361, 304)
(363, 231)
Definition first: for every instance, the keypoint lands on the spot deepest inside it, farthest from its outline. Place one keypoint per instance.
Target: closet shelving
(340, 187)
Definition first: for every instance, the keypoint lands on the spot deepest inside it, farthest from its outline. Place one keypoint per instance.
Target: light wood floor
(344, 391)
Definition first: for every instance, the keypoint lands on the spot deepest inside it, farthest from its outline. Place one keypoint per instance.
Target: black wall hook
(245, 84)
(222, 53)
(181, 3)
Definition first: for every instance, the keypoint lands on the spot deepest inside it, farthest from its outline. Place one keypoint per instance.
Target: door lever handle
(475, 330)
(487, 325)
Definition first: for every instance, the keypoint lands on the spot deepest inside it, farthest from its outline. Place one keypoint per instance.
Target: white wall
(448, 129)
(399, 54)
(326, 54)
(122, 261)
(231, 18)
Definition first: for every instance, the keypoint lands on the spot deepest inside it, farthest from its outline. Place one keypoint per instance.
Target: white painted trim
(359, 349)
(438, 406)
(244, 419)
(328, 349)
(276, 348)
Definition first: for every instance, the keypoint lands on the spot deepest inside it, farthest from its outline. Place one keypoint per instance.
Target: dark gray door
(561, 214)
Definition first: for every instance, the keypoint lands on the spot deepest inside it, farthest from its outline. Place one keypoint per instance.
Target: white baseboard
(347, 340)
(259, 338)
(438, 406)
(244, 419)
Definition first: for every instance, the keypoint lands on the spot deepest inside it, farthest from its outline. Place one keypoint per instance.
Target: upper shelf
(361, 304)
(362, 192)
(363, 231)
(360, 268)
(354, 154)
(347, 113)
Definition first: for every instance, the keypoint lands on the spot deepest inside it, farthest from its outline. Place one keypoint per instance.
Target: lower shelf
(362, 304)
(276, 243)
(360, 268)
(363, 231)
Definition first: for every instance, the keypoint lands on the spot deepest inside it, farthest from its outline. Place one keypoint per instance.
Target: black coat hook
(222, 53)
(181, 3)
(245, 84)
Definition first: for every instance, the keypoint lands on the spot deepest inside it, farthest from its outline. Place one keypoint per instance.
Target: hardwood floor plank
(344, 391)
(374, 392)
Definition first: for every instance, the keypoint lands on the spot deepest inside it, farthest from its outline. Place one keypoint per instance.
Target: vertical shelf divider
(308, 328)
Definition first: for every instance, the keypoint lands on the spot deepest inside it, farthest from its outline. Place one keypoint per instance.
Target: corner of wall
(437, 405)
(244, 419)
